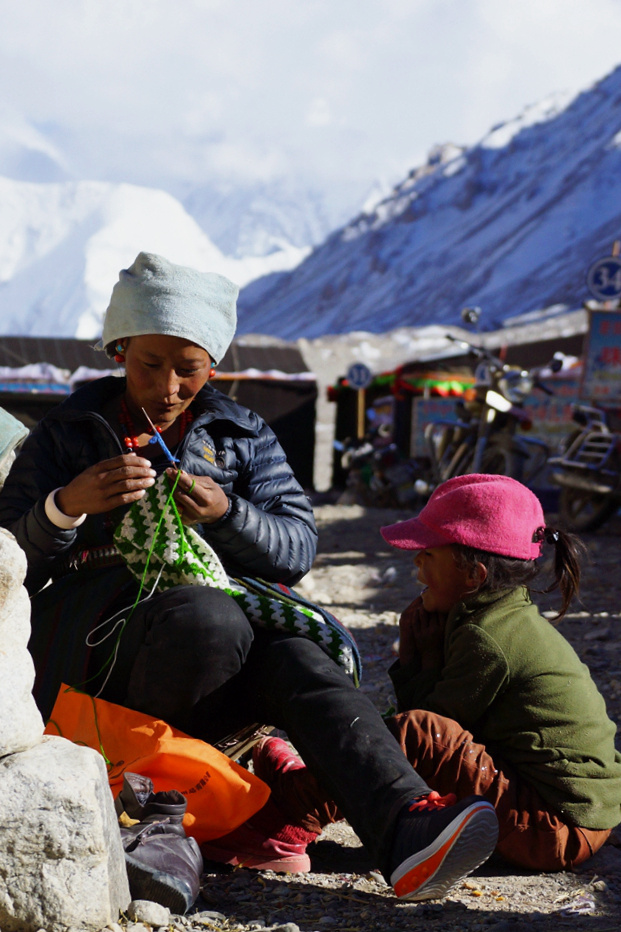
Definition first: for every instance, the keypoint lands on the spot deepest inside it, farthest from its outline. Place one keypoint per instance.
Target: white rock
(152, 914)
(12, 569)
(21, 725)
(61, 858)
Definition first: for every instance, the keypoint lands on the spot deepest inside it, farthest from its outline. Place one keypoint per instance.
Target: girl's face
(164, 375)
(446, 583)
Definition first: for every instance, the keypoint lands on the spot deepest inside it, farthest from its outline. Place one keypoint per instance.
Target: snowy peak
(62, 246)
(261, 218)
(549, 108)
(510, 224)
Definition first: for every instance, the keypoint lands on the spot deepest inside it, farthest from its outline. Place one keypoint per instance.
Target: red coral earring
(212, 372)
(120, 353)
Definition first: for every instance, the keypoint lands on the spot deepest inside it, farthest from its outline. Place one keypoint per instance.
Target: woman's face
(164, 375)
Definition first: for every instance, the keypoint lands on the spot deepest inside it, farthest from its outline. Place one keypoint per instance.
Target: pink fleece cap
(492, 513)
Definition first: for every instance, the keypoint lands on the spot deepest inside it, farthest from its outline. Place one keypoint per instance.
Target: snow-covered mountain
(262, 218)
(63, 239)
(62, 246)
(511, 224)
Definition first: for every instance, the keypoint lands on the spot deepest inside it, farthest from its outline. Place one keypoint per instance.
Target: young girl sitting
(493, 700)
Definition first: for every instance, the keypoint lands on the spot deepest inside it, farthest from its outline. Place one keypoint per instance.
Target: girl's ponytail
(568, 549)
(508, 572)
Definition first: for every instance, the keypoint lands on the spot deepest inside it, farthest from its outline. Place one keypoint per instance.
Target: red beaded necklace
(131, 439)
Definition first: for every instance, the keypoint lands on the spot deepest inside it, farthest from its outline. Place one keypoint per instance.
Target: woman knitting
(189, 654)
(493, 699)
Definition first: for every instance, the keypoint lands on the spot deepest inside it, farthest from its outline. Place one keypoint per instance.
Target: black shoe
(162, 865)
(139, 801)
(438, 841)
(134, 795)
(168, 806)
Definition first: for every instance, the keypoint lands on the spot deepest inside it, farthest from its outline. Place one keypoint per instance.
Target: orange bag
(220, 793)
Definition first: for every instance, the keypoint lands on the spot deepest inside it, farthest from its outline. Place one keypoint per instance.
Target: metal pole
(361, 425)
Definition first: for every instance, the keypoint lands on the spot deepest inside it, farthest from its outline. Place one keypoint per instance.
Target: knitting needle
(157, 438)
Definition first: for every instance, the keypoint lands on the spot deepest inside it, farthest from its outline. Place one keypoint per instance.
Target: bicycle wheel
(499, 459)
(581, 510)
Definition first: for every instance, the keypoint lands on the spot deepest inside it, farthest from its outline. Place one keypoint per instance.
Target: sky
(350, 90)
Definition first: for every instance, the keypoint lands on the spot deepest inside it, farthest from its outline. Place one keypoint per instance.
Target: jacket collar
(482, 601)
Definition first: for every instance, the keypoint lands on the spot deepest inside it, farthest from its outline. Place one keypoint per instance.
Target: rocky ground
(366, 584)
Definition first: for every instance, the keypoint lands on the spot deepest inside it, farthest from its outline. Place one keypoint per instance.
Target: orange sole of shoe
(461, 849)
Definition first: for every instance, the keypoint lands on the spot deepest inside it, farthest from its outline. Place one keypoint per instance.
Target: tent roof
(62, 353)
(70, 354)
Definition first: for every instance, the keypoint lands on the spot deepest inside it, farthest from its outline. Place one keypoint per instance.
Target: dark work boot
(162, 865)
(139, 802)
(169, 806)
(134, 795)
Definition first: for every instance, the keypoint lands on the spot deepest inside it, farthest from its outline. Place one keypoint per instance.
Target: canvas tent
(272, 379)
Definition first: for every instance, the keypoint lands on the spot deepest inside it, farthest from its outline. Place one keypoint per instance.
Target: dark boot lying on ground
(163, 864)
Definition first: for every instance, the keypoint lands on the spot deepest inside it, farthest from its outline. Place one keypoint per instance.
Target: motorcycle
(588, 471)
(377, 473)
(485, 438)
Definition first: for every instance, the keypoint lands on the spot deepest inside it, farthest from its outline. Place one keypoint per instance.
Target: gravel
(366, 584)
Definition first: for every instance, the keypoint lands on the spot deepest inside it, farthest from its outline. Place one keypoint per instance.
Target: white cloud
(248, 84)
(319, 112)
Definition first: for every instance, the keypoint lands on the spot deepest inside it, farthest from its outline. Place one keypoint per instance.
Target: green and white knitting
(158, 548)
(161, 551)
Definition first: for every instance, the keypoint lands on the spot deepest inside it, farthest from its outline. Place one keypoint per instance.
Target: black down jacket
(268, 531)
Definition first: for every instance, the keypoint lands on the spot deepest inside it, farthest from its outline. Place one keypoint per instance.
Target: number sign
(359, 376)
(604, 278)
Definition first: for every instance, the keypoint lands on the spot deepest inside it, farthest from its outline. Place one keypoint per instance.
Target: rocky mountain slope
(511, 224)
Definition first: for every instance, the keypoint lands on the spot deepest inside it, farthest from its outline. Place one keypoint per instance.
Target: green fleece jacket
(513, 680)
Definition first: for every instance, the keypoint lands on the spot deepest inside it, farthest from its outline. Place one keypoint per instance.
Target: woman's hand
(421, 634)
(106, 485)
(200, 499)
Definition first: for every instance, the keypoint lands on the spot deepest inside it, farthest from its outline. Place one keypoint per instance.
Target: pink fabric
(492, 513)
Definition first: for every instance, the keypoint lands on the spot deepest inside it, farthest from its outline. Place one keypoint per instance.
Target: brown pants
(531, 835)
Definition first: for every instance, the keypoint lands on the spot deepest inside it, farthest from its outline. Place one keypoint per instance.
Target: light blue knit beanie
(155, 296)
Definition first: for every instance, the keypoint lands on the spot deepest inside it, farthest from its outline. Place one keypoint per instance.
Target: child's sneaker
(438, 841)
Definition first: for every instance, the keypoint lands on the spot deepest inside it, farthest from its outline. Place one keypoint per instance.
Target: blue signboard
(604, 278)
(601, 380)
(359, 376)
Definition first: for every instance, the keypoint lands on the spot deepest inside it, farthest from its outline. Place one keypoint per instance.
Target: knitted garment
(160, 551)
